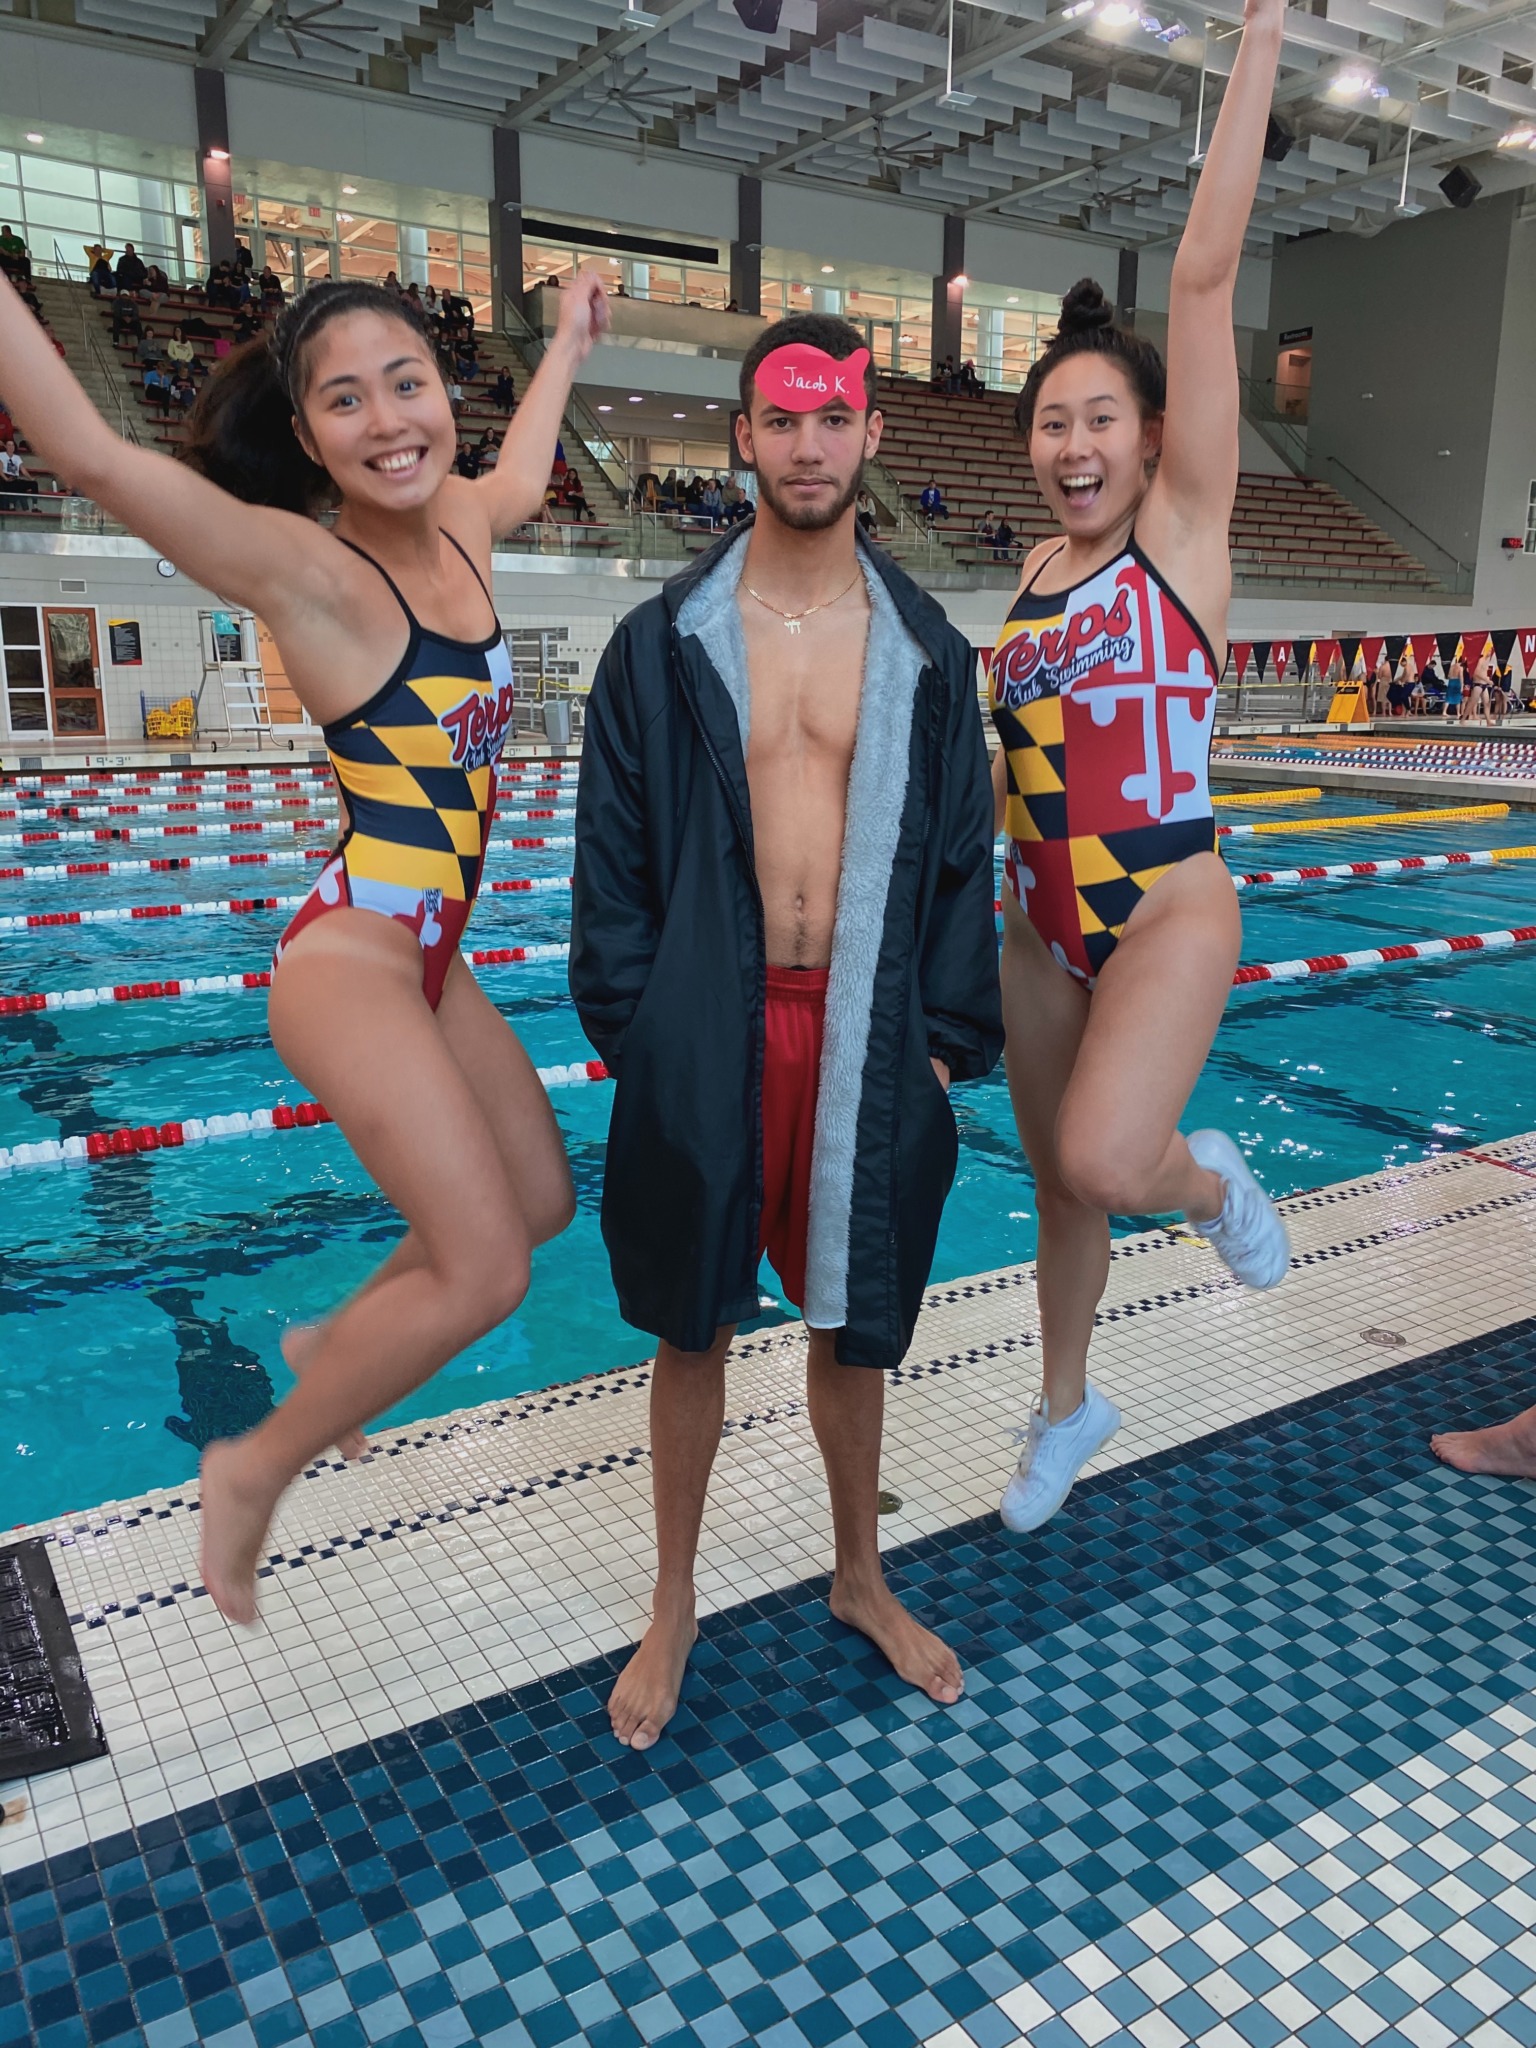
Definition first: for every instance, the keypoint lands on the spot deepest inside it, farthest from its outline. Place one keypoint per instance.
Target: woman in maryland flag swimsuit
(1120, 923)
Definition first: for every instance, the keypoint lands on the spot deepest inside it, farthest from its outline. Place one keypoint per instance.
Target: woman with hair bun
(1120, 923)
(387, 631)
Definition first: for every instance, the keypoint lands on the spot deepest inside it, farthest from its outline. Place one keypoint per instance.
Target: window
(21, 664)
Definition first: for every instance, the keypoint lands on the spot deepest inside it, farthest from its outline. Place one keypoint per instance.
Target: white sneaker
(1250, 1233)
(1053, 1455)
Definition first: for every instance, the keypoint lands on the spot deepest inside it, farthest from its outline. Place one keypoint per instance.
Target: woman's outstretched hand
(583, 315)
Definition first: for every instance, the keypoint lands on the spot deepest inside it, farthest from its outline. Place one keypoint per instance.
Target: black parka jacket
(667, 963)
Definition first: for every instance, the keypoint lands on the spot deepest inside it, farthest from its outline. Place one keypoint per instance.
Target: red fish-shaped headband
(801, 377)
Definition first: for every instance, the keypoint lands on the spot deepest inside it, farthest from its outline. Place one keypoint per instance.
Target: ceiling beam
(231, 31)
(617, 42)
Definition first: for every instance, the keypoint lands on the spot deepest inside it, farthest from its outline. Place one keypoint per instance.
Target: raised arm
(1197, 475)
(513, 491)
(251, 554)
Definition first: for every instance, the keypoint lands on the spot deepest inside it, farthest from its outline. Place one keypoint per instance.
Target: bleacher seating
(167, 426)
(1285, 529)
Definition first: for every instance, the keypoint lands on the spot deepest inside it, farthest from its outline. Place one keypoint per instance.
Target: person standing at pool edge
(782, 944)
(1120, 922)
(387, 631)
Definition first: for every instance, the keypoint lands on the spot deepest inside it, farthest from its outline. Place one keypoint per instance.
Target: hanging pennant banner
(1241, 650)
(1280, 651)
(1503, 648)
(1349, 653)
(1325, 653)
(1260, 659)
(1472, 648)
(1446, 645)
(1424, 648)
(1370, 650)
(1526, 641)
(1395, 643)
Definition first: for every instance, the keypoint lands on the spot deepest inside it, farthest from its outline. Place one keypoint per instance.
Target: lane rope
(1267, 796)
(127, 1141)
(54, 871)
(1349, 824)
(1366, 870)
(232, 807)
(181, 988)
(1385, 956)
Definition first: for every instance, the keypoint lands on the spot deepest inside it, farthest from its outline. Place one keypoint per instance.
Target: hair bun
(1085, 308)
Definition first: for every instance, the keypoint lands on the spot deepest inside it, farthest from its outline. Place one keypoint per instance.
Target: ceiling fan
(896, 156)
(626, 92)
(296, 23)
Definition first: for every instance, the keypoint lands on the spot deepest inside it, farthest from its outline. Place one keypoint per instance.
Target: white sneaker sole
(1219, 1155)
(1042, 1511)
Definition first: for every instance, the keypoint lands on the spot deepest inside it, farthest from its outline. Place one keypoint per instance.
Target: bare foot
(1507, 1450)
(297, 1344)
(644, 1698)
(235, 1523)
(915, 1653)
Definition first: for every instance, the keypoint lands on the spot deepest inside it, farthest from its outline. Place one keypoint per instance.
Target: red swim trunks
(797, 1002)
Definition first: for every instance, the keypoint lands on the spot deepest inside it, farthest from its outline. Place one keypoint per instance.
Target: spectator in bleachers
(148, 350)
(671, 493)
(647, 491)
(157, 286)
(931, 503)
(986, 528)
(179, 351)
(157, 383)
(221, 288)
(15, 479)
(393, 284)
(14, 260)
(968, 382)
(503, 392)
(864, 514)
(127, 323)
(131, 270)
(245, 262)
(100, 277)
(712, 502)
(574, 497)
(1004, 541)
(693, 495)
(183, 392)
(270, 291)
(490, 450)
(466, 360)
(738, 506)
(247, 326)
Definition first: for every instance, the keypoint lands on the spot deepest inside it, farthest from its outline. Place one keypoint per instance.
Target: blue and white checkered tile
(1244, 1759)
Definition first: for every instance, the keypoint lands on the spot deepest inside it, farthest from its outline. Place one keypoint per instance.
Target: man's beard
(809, 518)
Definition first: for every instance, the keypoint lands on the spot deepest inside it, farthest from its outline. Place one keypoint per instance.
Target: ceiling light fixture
(960, 279)
(33, 137)
(710, 405)
(350, 191)
(1357, 85)
(1078, 7)
(949, 97)
(218, 156)
(1523, 137)
(679, 415)
(1117, 15)
(827, 269)
(635, 398)
(1013, 298)
(605, 408)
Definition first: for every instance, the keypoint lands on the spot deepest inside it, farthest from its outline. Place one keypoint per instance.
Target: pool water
(141, 1301)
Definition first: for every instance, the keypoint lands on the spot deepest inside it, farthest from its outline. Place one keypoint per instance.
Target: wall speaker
(1277, 141)
(761, 16)
(1459, 185)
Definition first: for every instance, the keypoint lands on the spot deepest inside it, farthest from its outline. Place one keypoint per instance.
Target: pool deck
(1248, 1753)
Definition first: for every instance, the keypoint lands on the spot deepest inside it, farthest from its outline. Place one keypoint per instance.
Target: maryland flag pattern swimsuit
(1104, 698)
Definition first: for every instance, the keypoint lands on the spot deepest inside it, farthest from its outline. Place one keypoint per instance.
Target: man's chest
(804, 692)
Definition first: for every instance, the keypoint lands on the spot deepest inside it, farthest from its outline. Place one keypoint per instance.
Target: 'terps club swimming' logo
(1027, 667)
(478, 727)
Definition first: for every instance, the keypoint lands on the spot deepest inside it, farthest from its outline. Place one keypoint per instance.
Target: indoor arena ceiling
(1061, 113)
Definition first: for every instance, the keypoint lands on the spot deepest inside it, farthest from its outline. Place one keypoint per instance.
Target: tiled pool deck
(1247, 1756)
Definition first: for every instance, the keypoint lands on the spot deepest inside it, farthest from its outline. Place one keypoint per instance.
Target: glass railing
(1288, 437)
(48, 510)
(597, 445)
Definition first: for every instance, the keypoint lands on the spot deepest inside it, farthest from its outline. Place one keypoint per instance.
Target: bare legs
(447, 1115)
(1099, 1085)
(847, 1405)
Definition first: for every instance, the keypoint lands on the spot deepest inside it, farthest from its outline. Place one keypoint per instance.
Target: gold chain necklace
(792, 619)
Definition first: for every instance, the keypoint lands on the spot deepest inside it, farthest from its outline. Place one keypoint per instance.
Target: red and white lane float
(1385, 956)
(130, 1141)
(56, 871)
(132, 913)
(230, 808)
(1378, 870)
(96, 835)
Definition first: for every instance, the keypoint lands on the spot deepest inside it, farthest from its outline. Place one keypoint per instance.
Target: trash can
(557, 721)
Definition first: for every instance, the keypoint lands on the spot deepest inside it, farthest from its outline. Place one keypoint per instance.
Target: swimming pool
(141, 1301)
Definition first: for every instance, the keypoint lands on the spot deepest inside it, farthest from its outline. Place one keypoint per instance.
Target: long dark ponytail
(242, 434)
(1087, 327)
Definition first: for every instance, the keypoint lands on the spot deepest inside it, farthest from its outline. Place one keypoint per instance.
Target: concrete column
(747, 249)
(506, 222)
(213, 173)
(1125, 289)
(949, 294)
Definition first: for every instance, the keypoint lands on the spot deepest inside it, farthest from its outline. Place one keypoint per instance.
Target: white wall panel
(88, 85)
(870, 230)
(614, 184)
(290, 124)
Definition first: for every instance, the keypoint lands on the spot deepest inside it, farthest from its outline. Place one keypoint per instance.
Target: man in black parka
(784, 814)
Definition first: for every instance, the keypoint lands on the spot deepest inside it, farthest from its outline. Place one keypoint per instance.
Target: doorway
(298, 260)
(1293, 383)
(880, 340)
(74, 670)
